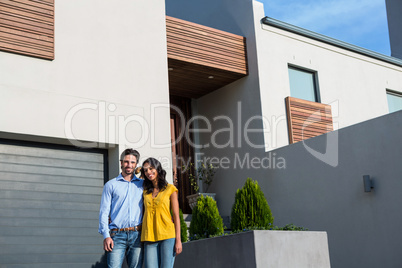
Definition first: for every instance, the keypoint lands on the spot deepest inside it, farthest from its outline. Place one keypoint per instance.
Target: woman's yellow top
(157, 223)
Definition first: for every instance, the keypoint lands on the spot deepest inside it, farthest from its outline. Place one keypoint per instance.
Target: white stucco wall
(110, 68)
(355, 85)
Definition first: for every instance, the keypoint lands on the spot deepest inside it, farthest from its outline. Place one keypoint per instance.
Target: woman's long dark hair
(162, 183)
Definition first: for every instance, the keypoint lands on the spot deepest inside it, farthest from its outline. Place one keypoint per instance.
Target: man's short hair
(130, 151)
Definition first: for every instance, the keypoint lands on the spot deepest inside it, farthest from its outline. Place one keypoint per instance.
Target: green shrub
(183, 227)
(206, 221)
(287, 227)
(250, 208)
(290, 227)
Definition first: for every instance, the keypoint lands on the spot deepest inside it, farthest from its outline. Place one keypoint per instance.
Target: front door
(182, 153)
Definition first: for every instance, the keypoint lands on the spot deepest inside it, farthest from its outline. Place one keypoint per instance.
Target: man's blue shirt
(123, 201)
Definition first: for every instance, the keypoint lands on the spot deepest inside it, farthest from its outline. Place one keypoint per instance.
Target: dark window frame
(315, 79)
(393, 93)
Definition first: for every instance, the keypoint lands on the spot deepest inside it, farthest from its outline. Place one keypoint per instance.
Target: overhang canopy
(202, 59)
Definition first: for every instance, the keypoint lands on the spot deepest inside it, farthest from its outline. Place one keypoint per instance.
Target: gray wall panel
(50, 258)
(49, 162)
(21, 168)
(39, 204)
(87, 231)
(53, 265)
(48, 187)
(54, 179)
(363, 227)
(50, 222)
(44, 213)
(51, 249)
(95, 240)
(51, 153)
(49, 206)
(37, 195)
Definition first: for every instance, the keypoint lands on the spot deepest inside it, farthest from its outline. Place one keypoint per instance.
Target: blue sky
(358, 22)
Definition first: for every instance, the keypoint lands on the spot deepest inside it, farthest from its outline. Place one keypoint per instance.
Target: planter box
(272, 249)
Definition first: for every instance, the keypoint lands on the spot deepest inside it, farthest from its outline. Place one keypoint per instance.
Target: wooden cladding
(202, 59)
(191, 42)
(27, 27)
(307, 119)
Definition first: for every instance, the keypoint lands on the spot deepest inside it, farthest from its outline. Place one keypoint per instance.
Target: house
(83, 80)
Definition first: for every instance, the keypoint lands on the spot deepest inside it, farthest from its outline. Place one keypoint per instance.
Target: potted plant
(198, 175)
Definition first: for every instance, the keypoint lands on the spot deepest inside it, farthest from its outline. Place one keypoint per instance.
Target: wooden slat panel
(24, 13)
(26, 50)
(196, 53)
(28, 6)
(37, 3)
(176, 47)
(211, 62)
(15, 19)
(206, 30)
(27, 27)
(203, 45)
(307, 119)
(205, 41)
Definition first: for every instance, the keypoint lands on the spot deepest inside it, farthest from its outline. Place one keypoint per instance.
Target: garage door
(49, 206)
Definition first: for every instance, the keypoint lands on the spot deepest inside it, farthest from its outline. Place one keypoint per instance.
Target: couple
(124, 201)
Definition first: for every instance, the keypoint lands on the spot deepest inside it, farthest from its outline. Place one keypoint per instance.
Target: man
(122, 201)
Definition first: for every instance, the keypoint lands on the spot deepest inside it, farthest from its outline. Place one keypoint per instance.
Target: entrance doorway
(182, 152)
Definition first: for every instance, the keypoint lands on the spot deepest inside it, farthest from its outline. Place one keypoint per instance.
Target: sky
(359, 22)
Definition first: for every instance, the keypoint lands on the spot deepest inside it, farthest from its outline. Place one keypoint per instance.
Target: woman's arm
(174, 203)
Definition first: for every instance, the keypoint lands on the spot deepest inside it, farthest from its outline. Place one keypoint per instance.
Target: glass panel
(394, 102)
(302, 84)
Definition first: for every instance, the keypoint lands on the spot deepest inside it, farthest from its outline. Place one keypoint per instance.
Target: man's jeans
(160, 253)
(129, 241)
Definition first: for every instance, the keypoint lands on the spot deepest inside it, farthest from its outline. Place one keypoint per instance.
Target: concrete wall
(318, 184)
(394, 9)
(362, 227)
(291, 249)
(101, 86)
(258, 249)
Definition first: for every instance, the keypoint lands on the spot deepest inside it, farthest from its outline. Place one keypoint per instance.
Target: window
(394, 101)
(303, 84)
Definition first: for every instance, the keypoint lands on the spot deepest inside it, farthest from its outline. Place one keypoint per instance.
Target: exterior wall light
(368, 183)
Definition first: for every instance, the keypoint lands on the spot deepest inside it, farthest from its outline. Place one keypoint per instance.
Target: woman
(161, 235)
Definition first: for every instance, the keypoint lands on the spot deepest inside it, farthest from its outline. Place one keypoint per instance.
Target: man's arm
(104, 212)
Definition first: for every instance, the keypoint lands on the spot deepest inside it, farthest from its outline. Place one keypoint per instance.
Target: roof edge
(332, 41)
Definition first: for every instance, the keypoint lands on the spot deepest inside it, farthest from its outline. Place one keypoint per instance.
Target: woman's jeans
(129, 241)
(159, 254)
